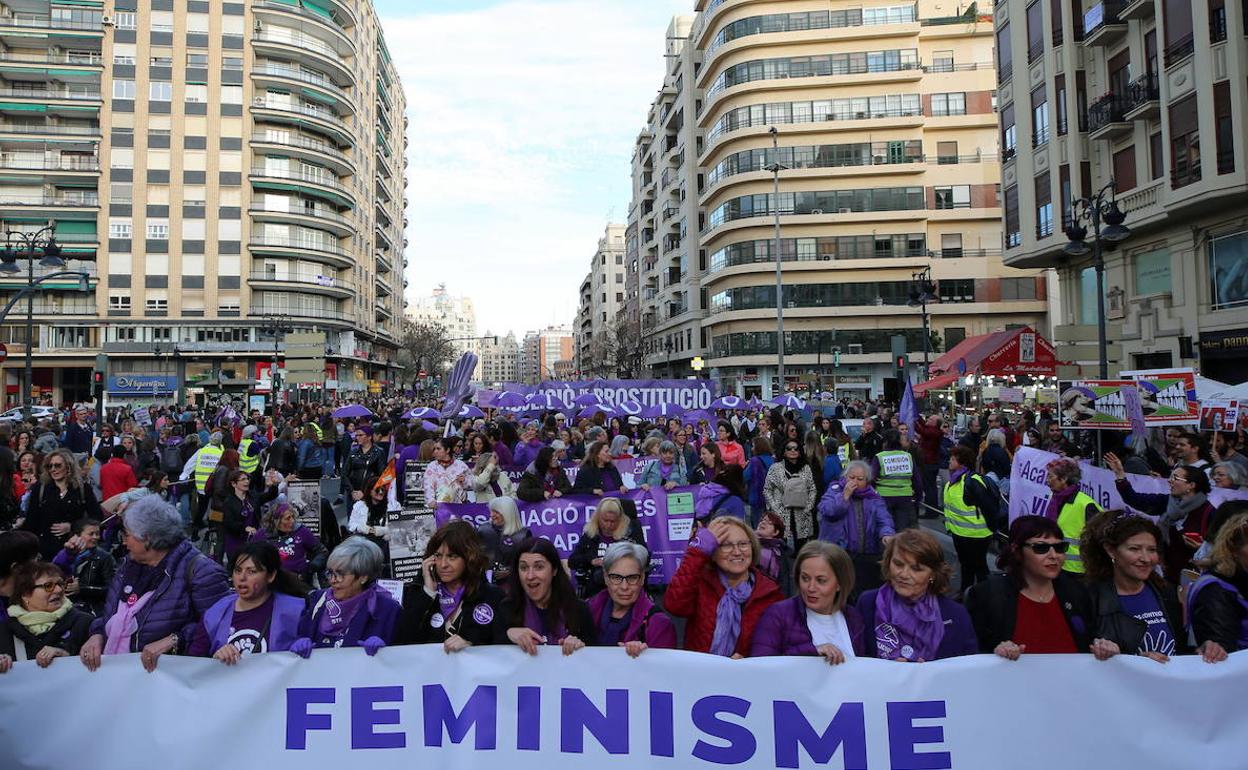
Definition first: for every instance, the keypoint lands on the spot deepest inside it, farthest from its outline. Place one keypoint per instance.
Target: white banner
(1029, 495)
(601, 709)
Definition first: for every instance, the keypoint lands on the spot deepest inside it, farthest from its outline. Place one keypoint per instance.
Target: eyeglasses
(53, 466)
(339, 574)
(1040, 549)
(741, 547)
(619, 580)
(51, 585)
(1180, 477)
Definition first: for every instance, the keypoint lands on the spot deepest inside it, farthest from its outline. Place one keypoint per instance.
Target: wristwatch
(174, 650)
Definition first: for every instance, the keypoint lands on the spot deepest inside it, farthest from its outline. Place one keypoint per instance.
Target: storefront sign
(1226, 344)
(142, 384)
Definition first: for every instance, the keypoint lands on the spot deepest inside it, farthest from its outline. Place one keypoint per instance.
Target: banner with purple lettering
(498, 707)
(666, 520)
(687, 394)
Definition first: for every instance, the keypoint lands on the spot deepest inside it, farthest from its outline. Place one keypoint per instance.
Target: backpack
(171, 461)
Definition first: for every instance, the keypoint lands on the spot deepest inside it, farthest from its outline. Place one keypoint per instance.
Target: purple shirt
(292, 548)
(248, 632)
(1145, 606)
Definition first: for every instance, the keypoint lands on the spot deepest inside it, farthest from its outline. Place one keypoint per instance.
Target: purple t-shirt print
(1144, 606)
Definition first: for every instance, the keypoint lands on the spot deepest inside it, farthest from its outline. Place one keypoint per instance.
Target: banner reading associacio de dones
(497, 707)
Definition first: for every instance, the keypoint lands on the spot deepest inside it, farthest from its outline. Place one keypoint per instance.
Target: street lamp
(775, 168)
(923, 291)
(1095, 210)
(21, 245)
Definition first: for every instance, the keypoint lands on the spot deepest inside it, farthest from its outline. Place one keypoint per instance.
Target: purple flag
(908, 412)
(459, 384)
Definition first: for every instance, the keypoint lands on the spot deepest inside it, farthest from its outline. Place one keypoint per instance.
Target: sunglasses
(53, 466)
(1040, 549)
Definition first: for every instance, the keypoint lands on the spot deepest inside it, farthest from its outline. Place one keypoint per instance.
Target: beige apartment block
(602, 297)
(1148, 95)
(887, 135)
(208, 164)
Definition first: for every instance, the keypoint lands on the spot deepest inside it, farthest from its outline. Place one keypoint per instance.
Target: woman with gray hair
(488, 481)
(354, 611)
(620, 448)
(501, 536)
(624, 615)
(1229, 475)
(160, 591)
(666, 471)
(854, 516)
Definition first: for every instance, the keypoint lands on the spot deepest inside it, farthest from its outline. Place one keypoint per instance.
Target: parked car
(36, 413)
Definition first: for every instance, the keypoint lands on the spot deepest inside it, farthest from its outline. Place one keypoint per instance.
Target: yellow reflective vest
(1071, 519)
(247, 464)
(959, 519)
(205, 463)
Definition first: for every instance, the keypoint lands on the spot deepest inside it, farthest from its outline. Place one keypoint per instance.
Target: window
(158, 230)
(1005, 54)
(123, 89)
(119, 302)
(231, 63)
(1217, 21)
(956, 290)
(1180, 40)
(1039, 117)
(197, 60)
(123, 54)
(196, 93)
(1059, 104)
(948, 104)
(1044, 207)
(951, 246)
(124, 20)
(1055, 19)
(1009, 133)
(1157, 163)
(1066, 195)
(953, 197)
(160, 91)
(1152, 273)
(1226, 256)
(1013, 228)
(942, 61)
(1018, 289)
(1184, 143)
(121, 192)
(157, 304)
(619, 278)
(946, 153)
(1224, 129)
(1035, 31)
(119, 229)
(1124, 168)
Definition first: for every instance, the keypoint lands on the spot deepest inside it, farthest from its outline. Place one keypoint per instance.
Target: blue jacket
(838, 524)
(310, 455)
(77, 438)
(188, 590)
(653, 476)
(959, 638)
(756, 479)
(381, 621)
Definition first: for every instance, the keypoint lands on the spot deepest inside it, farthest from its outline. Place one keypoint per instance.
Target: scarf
(1059, 499)
(37, 622)
(959, 473)
(906, 630)
(339, 614)
(549, 480)
(1178, 509)
(449, 601)
(122, 625)
(665, 470)
(535, 619)
(794, 468)
(728, 615)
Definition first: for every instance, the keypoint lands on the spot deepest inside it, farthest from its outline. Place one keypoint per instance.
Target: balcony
(43, 129)
(22, 56)
(1138, 10)
(26, 21)
(297, 114)
(318, 217)
(672, 277)
(305, 282)
(335, 23)
(271, 72)
(49, 163)
(309, 313)
(1103, 24)
(51, 94)
(307, 148)
(323, 186)
(1143, 99)
(1106, 117)
(1180, 51)
(36, 201)
(307, 49)
(301, 249)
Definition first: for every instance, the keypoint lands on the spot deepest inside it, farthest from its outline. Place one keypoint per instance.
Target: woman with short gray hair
(354, 611)
(667, 471)
(160, 591)
(624, 615)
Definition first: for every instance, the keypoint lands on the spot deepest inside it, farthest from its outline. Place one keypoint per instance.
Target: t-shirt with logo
(1146, 607)
(249, 628)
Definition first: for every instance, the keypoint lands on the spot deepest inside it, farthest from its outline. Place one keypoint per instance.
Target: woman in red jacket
(719, 589)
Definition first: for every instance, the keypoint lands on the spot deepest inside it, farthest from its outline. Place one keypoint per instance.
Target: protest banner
(305, 498)
(1219, 414)
(414, 484)
(416, 706)
(408, 533)
(688, 394)
(666, 520)
(1029, 495)
(1094, 404)
(1168, 396)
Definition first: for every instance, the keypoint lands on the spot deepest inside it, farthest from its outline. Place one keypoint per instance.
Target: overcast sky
(521, 120)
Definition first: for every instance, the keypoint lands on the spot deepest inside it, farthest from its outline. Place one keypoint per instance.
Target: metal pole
(1099, 261)
(775, 202)
(28, 383)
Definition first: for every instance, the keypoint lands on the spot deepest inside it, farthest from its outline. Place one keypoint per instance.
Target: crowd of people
(174, 536)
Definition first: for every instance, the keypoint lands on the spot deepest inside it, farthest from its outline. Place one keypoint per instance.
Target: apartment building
(499, 359)
(886, 135)
(457, 315)
(1121, 93)
(206, 165)
(602, 296)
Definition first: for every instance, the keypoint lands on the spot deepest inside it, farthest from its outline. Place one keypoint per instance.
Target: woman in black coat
(60, 498)
(608, 525)
(598, 475)
(546, 480)
(456, 606)
(42, 623)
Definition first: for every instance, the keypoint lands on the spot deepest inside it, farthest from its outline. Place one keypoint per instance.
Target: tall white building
(499, 359)
(456, 315)
(601, 297)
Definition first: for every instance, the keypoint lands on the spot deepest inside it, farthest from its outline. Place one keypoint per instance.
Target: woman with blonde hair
(502, 535)
(59, 499)
(1218, 601)
(608, 525)
(488, 481)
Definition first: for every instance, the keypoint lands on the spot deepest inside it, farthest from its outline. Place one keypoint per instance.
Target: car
(36, 413)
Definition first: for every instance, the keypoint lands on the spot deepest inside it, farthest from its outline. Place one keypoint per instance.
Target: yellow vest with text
(896, 474)
(959, 519)
(205, 463)
(247, 464)
(1071, 519)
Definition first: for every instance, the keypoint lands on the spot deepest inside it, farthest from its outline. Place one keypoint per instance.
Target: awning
(1019, 351)
(937, 383)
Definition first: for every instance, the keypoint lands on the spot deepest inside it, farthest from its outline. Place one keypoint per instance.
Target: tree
(424, 345)
(616, 352)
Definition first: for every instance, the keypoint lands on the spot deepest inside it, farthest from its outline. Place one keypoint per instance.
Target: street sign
(4, 352)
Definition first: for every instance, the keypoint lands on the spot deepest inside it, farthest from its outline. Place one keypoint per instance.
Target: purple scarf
(665, 471)
(959, 473)
(535, 620)
(906, 630)
(1058, 499)
(339, 614)
(728, 615)
(449, 601)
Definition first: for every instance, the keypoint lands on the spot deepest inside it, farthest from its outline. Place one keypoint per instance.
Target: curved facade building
(887, 140)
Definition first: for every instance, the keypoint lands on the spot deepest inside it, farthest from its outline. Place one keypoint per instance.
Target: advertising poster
(1094, 404)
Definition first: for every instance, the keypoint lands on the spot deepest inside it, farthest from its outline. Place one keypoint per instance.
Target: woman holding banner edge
(541, 606)
(625, 616)
(456, 605)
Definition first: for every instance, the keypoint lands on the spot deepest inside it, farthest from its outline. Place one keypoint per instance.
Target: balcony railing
(257, 311)
(69, 201)
(47, 93)
(299, 41)
(47, 22)
(53, 130)
(81, 58)
(328, 216)
(1103, 14)
(64, 163)
(303, 109)
(1141, 91)
(292, 140)
(311, 279)
(324, 180)
(295, 243)
(1180, 50)
(1108, 109)
(302, 76)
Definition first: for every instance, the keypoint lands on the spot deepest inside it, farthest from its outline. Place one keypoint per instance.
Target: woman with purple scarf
(541, 607)
(456, 605)
(666, 471)
(624, 615)
(354, 611)
(909, 618)
(818, 620)
(855, 517)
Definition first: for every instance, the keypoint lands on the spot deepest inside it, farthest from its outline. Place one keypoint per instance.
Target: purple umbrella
(789, 401)
(663, 410)
(469, 411)
(728, 402)
(696, 416)
(594, 409)
(508, 399)
(630, 408)
(421, 413)
(547, 401)
(755, 403)
(429, 426)
(352, 410)
(587, 399)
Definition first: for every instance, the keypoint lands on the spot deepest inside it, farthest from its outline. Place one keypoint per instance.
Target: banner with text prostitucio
(497, 707)
(689, 394)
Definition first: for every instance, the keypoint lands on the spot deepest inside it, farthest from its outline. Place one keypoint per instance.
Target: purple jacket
(959, 636)
(838, 522)
(525, 454)
(282, 628)
(180, 600)
(783, 630)
(381, 622)
(660, 631)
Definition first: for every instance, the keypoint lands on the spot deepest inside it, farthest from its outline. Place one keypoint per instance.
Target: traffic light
(901, 363)
(97, 383)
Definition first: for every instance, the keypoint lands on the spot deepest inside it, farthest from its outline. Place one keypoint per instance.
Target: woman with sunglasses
(1035, 606)
(42, 624)
(790, 492)
(624, 615)
(60, 498)
(1184, 515)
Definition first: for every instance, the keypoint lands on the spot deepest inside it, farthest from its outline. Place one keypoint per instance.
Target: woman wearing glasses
(1184, 515)
(60, 498)
(43, 624)
(624, 615)
(608, 525)
(354, 611)
(1034, 607)
(719, 589)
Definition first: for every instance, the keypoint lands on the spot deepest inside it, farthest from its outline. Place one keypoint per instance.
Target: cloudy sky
(522, 116)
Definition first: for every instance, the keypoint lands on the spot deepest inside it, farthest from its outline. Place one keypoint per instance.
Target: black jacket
(1127, 631)
(94, 574)
(501, 552)
(480, 619)
(1218, 615)
(47, 507)
(993, 604)
(281, 457)
(588, 577)
(590, 477)
(364, 465)
(232, 509)
(69, 633)
(580, 624)
(532, 487)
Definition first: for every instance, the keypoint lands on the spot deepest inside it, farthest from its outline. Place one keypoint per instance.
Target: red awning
(936, 383)
(1011, 352)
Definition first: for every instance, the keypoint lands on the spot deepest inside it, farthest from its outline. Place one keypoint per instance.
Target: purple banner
(630, 471)
(689, 394)
(666, 520)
